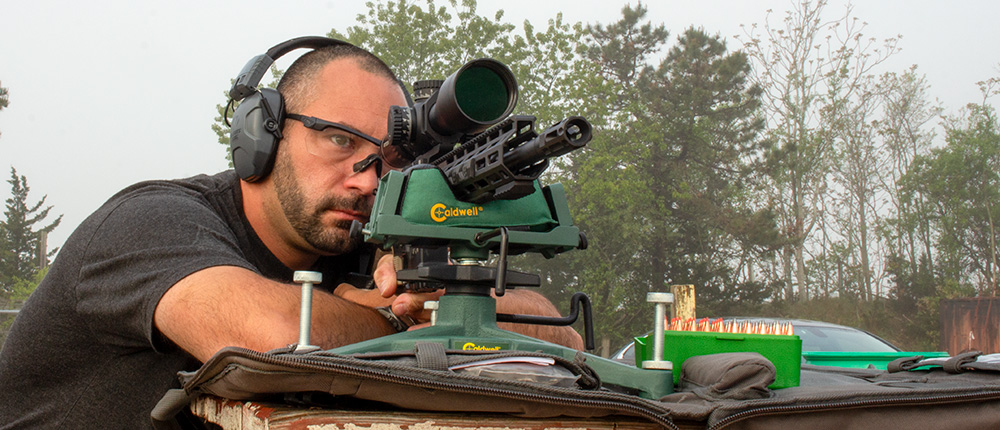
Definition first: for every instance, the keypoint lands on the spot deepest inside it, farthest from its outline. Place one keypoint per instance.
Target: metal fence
(970, 323)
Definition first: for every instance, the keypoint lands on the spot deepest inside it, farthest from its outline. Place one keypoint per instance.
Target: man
(168, 272)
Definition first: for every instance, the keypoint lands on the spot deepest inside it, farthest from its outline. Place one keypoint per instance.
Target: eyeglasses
(318, 124)
(340, 141)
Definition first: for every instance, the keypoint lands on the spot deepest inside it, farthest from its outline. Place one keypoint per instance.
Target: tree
(3, 98)
(807, 67)
(907, 230)
(19, 292)
(960, 185)
(855, 167)
(601, 183)
(661, 191)
(703, 114)
(21, 236)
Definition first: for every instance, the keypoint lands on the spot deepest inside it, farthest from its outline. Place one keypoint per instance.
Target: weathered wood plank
(235, 415)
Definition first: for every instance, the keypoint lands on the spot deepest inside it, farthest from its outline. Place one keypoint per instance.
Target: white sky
(107, 93)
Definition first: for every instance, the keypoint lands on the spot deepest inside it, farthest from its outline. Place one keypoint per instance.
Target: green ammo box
(785, 352)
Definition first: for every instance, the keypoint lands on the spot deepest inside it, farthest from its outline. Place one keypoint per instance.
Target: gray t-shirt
(84, 352)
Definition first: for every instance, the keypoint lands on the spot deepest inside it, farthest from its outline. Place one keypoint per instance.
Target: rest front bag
(429, 378)
(717, 391)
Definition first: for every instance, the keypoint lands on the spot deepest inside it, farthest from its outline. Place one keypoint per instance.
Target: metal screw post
(307, 279)
(661, 300)
(433, 306)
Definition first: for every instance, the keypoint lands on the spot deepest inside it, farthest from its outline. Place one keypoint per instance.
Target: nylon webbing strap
(956, 364)
(431, 355)
(903, 364)
(164, 414)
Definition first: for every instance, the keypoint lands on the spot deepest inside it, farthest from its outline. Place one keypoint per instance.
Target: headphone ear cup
(255, 132)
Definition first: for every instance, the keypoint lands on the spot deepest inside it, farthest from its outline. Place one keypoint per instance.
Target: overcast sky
(107, 93)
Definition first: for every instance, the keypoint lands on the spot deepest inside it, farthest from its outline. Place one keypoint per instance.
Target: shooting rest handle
(575, 304)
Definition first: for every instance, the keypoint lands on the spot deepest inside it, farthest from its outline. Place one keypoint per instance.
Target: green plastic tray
(877, 360)
(785, 352)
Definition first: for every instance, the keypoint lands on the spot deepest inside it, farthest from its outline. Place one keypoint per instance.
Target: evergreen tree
(662, 191)
(3, 98)
(20, 236)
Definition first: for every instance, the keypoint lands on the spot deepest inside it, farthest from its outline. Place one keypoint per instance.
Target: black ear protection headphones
(257, 123)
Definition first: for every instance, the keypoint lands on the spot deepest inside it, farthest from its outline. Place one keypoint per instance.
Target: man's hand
(411, 304)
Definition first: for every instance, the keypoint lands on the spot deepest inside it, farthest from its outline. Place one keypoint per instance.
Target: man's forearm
(229, 306)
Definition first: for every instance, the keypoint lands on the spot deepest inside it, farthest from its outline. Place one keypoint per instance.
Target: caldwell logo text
(440, 212)
(473, 347)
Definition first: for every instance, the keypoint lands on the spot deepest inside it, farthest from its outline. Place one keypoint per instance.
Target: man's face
(316, 186)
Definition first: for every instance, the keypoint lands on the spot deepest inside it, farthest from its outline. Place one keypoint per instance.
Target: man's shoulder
(150, 202)
(200, 185)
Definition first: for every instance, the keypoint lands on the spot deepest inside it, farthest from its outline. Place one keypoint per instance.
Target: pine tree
(3, 98)
(20, 259)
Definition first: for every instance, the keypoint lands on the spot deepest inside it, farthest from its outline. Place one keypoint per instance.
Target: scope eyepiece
(480, 94)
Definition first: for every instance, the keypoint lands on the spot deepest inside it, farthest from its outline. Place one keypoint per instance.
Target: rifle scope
(480, 94)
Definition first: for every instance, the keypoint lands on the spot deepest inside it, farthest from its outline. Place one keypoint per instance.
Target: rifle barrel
(568, 135)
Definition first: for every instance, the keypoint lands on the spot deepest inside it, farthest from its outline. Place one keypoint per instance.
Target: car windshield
(839, 339)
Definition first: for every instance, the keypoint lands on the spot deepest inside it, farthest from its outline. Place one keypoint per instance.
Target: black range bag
(719, 391)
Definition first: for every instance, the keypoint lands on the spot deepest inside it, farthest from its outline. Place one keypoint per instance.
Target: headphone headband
(256, 126)
(248, 79)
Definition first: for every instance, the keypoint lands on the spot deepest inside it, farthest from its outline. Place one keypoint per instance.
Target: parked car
(816, 336)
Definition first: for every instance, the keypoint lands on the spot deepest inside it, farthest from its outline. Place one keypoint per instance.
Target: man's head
(337, 101)
(296, 85)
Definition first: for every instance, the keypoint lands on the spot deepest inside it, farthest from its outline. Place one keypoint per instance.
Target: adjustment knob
(400, 125)
(426, 88)
(396, 151)
(357, 231)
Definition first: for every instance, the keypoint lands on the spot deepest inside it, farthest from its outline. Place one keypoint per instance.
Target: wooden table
(240, 415)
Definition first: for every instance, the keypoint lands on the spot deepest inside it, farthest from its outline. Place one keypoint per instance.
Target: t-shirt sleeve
(144, 245)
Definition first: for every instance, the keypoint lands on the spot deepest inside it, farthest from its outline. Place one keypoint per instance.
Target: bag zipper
(772, 410)
(638, 407)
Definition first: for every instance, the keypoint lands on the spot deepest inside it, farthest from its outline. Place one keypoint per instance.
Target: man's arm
(231, 306)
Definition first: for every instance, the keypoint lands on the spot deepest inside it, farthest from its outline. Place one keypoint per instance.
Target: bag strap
(164, 414)
(431, 355)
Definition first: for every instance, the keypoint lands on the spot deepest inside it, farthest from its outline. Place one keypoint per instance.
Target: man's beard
(309, 225)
